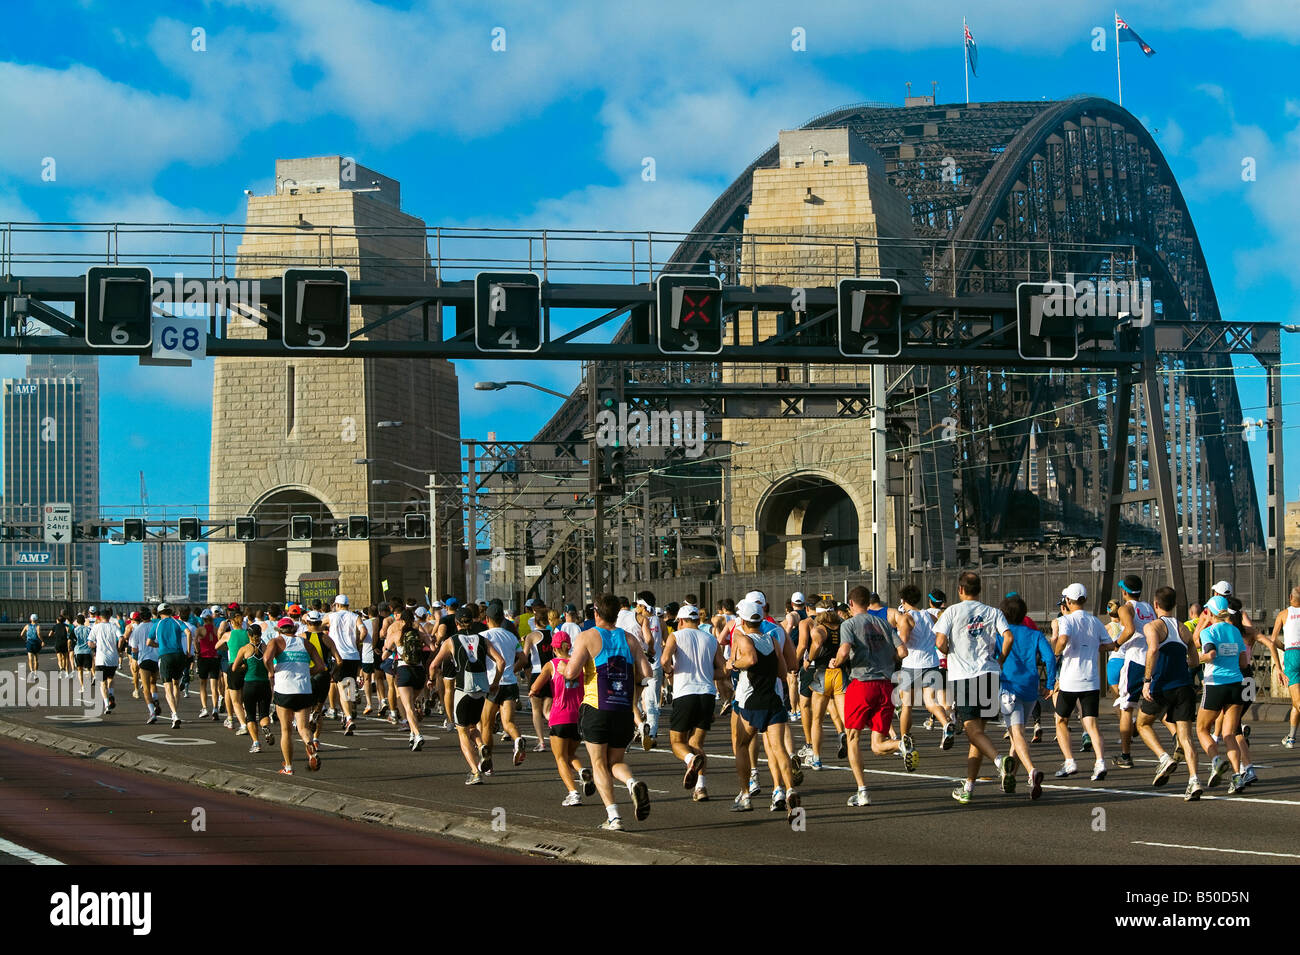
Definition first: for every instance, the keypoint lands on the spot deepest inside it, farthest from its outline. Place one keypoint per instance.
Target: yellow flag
(385, 585)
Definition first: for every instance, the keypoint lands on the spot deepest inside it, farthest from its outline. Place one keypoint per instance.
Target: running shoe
(367, 711)
(641, 800)
(153, 716)
(349, 727)
(962, 795)
(484, 759)
(474, 779)
(754, 788)
(1167, 767)
(135, 694)
(573, 799)
(1068, 769)
(814, 764)
(313, 760)
(1177, 754)
(176, 722)
(1218, 766)
(270, 737)
(778, 800)
(1288, 742)
(796, 775)
(505, 737)
(792, 803)
(519, 751)
(1036, 784)
(1245, 731)
(647, 741)
(907, 749)
(242, 731)
(329, 713)
(1099, 771)
(1248, 776)
(203, 713)
(741, 803)
(949, 735)
(286, 770)
(843, 751)
(417, 744)
(256, 747)
(1038, 734)
(228, 723)
(700, 794)
(1006, 766)
(612, 825)
(929, 723)
(1193, 791)
(540, 747)
(1124, 761)
(859, 798)
(1236, 784)
(693, 771)
(1006, 735)
(112, 705)
(588, 783)
(1087, 743)
(804, 751)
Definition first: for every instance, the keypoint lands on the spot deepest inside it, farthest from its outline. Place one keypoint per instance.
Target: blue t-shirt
(1020, 669)
(1227, 643)
(169, 635)
(83, 638)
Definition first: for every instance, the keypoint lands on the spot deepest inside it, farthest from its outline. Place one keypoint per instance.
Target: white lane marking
(107, 786)
(27, 855)
(1241, 852)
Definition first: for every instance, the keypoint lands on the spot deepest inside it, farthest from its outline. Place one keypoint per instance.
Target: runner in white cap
(347, 632)
(693, 660)
(1079, 639)
(796, 613)
(1286, 631)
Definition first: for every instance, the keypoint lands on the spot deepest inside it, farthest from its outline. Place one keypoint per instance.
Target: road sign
(119, 307)
(532, 570)
(58, 523)
(184, 338)
(688, 314)
(1046, 328)
(870, 318)
(314, 314)
(508, 312)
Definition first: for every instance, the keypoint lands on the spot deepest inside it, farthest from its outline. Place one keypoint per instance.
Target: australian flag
(1125, 32)
(972, 51)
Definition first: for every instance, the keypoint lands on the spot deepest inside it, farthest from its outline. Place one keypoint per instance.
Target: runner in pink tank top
(566, 698)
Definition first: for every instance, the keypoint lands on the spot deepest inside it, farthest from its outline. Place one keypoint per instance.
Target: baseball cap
(436, 605)
(341, 600)
(206, 615)
(92, 609)
(559, 638)
(314, 617)
(530, 601)
(134, 616)
(164, 608)
(33, 618)
(570, 608)
(1217, 604)
(294, 609)
(233, 606)
(1222, 589)
(1075, 592)
(686, 611)
(756, 596)
(285, 623)
(421, 613)
(797, 598)
(749, 611)
(453, 602)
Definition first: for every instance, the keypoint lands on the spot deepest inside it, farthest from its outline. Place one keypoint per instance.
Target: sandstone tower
(286, 433)
(802, 487)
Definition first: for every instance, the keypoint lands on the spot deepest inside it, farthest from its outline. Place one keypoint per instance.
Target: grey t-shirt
(974, 631)
(872, 648)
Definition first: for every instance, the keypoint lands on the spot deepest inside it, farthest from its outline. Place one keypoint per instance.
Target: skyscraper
(51, 454)
(167, 578)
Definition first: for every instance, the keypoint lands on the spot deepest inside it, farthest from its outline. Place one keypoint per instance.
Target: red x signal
(696, 307)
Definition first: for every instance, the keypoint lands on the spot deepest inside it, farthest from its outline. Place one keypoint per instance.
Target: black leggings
(257, 700)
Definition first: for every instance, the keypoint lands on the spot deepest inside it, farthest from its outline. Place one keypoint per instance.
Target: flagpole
(1119, 79)
(965, 59)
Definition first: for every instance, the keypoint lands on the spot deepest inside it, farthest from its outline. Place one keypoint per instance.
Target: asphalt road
(912, 817)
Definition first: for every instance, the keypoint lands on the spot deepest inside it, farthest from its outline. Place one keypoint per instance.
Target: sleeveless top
(830, 646)
(1135, 650)
(238, 638)
(1291, 629)
(1170, 670)
(256, 669)
(608, 677)
(470, 652)
(920, 644)
(293, 668)
(566, 695)
(756, 689)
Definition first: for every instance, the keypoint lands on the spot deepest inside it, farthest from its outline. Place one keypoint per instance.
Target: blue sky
(552, 133)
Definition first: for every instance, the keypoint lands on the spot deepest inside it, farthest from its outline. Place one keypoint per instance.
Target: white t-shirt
(344, 628)
(693, 663)
(140, 641)
(974, 631)
(507, 645)
(1080, 670)
(105, 636)
(627, 623)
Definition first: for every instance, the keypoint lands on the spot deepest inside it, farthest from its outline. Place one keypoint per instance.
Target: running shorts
(468, 709)
(1221, 696)
(1130, 686)
(209, 668)
(410, 676)
(320, 687)
(388, 665)
(149, 666)
(173, 666)
(614, 728)
(84, 660)
(235, 681)
(224, 662)
(106, 673)
(976, 698)
(1291, 665)
(869, 703)
(833, 681)
(368, 667)
(505, 692)
(694, 712)
(760, 720)
(62, 647)
(257, 700)
(566, 731)
(33, 646)
(292, 701)
(1016, 710)
(348, 668)
(1088, 700)
(1113, 668)
(921, 678)
(1176, 703)
(806, 677)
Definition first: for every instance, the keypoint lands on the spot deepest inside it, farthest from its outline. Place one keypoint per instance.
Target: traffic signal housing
(133, 529)
(688, 314)
(188, 529)
(870, 318)
(358, 527)
(246, 528)
(314, 310)
(508, 313)
(1046, 326)
(415, 526)
(119, 307)
(300, 527)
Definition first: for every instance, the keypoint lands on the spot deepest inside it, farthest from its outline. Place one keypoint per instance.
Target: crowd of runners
(594, 682)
